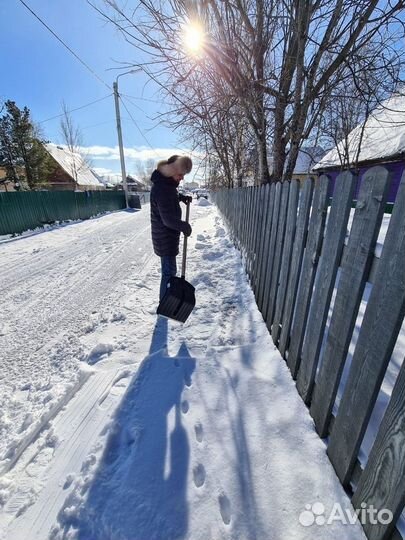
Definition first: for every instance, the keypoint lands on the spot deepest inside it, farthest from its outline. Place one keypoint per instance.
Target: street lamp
(119, 131)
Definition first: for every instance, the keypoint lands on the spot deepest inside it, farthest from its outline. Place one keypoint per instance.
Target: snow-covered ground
(116, 425)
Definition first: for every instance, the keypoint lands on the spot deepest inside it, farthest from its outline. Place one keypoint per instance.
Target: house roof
(70, 162)
(383, 136)
(307, 157)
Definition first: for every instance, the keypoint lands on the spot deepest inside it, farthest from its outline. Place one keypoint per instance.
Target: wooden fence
(293, 248)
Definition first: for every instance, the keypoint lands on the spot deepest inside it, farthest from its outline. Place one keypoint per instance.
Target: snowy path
(58, 284)
(167, 432)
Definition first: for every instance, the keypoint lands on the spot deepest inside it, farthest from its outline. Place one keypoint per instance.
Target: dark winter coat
(165, 214)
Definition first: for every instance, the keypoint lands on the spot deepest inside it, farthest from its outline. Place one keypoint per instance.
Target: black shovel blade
(178, 301)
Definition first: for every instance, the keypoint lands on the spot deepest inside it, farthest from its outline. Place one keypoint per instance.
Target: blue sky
(37, 71)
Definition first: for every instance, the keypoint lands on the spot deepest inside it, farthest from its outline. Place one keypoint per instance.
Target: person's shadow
(139, 491)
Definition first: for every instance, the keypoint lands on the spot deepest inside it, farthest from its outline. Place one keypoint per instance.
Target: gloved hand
(186, 199)
(187, 230)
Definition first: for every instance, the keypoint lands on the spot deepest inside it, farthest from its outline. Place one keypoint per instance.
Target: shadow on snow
(139, 489)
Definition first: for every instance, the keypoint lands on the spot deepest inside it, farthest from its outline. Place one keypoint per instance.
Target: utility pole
(121, 146)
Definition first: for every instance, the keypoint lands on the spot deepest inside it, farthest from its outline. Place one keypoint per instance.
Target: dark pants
(169, 269)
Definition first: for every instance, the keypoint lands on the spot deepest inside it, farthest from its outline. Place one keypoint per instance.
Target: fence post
(309, 265)
(271, 250)
(381, 324)
(285, 259)
(265, 215)
(324, 283)
(355, 267)
(382, 483)
(266, 247)
(296, 262)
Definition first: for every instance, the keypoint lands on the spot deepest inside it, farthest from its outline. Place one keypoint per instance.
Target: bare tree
(73, 139)
(277, 63)
(144, 170)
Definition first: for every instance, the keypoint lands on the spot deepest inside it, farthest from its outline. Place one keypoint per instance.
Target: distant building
(133, 184)
(382, 142)
(71, 172)
(188, 186)
(307, 158)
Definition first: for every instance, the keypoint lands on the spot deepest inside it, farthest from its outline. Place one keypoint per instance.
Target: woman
(165, 213)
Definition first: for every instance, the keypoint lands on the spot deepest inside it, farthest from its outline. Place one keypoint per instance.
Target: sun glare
(194, 37)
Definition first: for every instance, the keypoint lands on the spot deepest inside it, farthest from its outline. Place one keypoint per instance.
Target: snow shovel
(179, 299)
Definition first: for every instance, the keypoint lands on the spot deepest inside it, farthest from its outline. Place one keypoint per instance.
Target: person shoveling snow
(176, 295)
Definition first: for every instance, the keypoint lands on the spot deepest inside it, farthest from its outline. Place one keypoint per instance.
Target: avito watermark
(316, 514)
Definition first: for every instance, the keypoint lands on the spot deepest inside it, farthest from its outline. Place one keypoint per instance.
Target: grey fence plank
(256, 218)
(243, 209)
(267, 240)
(379, 331)
(248, 224)
(265, 215)
(309, 265)
(231, 216)
(382, 483)
(272, 249)
(296, 262)
(355, 267)
(275, 274)
(245, 221)
(325, 281)
(250, 221)
(286, 258)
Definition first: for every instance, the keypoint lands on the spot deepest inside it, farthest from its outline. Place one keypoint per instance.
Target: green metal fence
(21, 211)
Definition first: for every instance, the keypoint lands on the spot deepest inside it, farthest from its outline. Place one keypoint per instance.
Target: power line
(101, 123)
(66, 46)
(144, 99)
(73, 110)
(137, 127)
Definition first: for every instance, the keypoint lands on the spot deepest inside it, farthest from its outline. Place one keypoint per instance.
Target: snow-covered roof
(74, 165)
(383, 136)
(307, 157)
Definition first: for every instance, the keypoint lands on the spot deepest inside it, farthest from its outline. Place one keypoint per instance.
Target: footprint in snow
(185, 406)
(187, 379)
(199, 433)
(225, 508)
(199, 475)
(98, 352)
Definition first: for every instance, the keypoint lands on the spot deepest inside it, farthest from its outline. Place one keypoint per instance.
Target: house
(133, 184)
(380, 141)
(71, 172)
(306, 159)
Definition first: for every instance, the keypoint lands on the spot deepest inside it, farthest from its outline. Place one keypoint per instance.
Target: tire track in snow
(53, 314)
(59, 318)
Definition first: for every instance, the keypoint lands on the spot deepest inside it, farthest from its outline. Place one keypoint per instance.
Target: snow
(116, 424)
(383, 136)
(74, 165)
(202, 201)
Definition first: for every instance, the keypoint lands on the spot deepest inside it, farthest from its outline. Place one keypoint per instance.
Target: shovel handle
(183, 264)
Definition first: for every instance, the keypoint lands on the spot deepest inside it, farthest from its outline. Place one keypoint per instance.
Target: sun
(193, 37)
